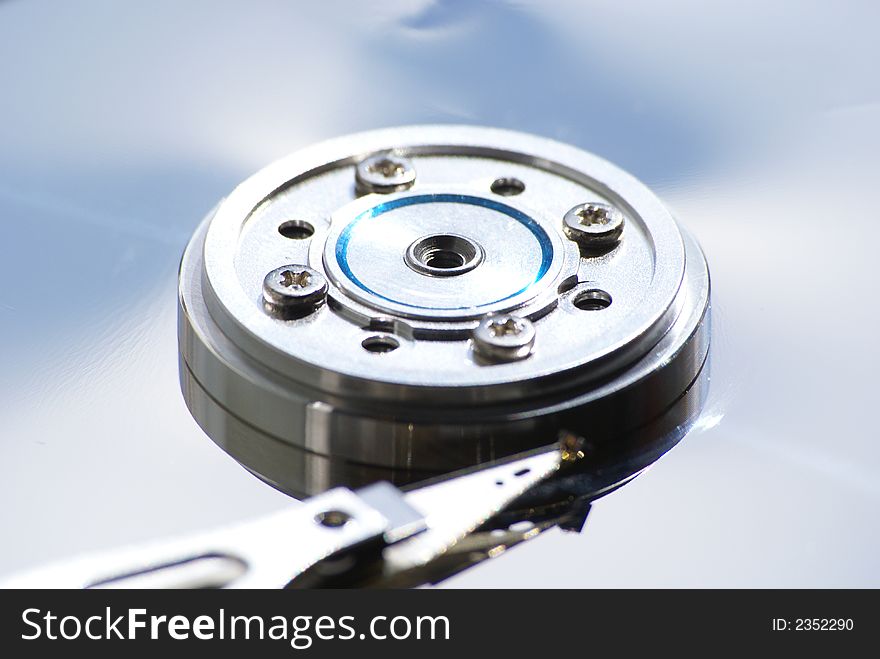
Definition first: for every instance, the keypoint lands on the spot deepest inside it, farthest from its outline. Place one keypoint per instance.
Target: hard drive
(255, 255)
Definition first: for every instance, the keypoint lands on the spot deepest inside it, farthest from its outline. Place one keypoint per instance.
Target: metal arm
(407, 532)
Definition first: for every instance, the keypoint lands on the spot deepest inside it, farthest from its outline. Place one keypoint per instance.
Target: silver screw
(384, 173)
(294, 290)
(594, 225)
(504, 338)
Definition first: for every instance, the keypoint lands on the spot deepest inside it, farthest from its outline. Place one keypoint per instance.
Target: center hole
(443, 255)
(443, 258)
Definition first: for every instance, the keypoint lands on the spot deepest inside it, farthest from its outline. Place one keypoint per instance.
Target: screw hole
(380, 344)
(592, 300)
(499, 482)
(333, 519)
(443, 255)
(444, 259)
(296, 229)
(507, 187)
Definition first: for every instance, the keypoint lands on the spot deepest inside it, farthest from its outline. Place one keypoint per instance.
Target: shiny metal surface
(116, 135)
(594, 226)
(293, 290)
(411, 531)
(384, 173)
(502, 338)
(520, 340)
(269, 551)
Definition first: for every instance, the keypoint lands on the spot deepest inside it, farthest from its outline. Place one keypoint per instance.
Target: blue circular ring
(378, 210)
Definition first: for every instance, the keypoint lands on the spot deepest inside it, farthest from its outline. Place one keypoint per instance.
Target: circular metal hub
(444, 255)
(433, 255)
(419, 299)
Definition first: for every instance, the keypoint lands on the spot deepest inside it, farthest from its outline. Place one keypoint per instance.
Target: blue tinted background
(122, 123)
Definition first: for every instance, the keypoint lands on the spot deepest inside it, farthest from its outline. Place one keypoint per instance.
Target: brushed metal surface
(117, 135)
